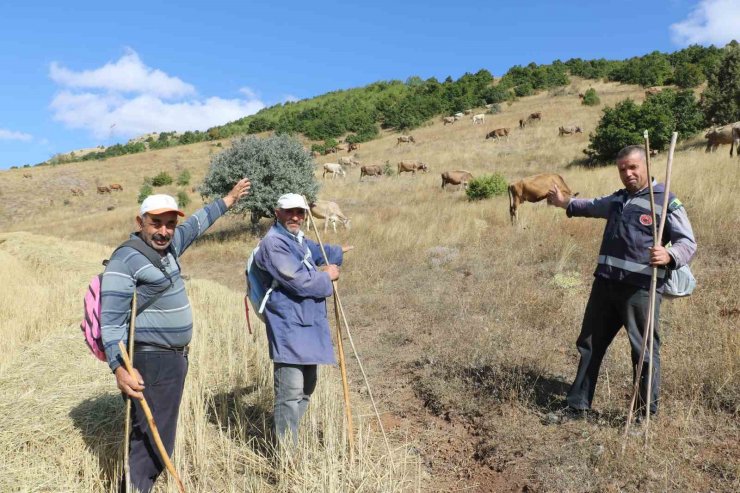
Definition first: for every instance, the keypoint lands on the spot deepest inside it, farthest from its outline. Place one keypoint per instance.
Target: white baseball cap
(159, 204)
(291, 201)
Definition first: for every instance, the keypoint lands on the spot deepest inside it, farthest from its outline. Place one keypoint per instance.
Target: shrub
(590, 98)
(688, 75)
(162, 179)
(183, 178)
(275, 165)
(183, 199)
(494, 109)
(721, 101)
(524, 89)
(145, 191)
(388, 170)
(486, 186)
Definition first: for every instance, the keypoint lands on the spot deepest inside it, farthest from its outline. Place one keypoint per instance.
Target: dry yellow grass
(453, 308)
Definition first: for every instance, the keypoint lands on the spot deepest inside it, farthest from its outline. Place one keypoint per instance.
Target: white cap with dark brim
(159, 204)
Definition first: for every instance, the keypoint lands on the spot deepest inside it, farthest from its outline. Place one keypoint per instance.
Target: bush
(183, 199)
(721, 101)
(590, 98)
(661, 114)
(162, 179)
(494, 109)
(486, 186)
(145, 191)
(275, 165)
(688, 75)
(388, 170)
(183, 178)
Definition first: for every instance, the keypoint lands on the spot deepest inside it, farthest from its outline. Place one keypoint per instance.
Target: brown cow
(77, 192)
(720, 136)
(534, 116)
(116, 186)
(103, 190)
(522, 123)
(352, 146)
(499, 132)
(409, 166)
(27, 175)
(449, 119)
(371, 170)
(407, 139)
(533, 189)
(569, 130)
(457, 177)
(651, 91)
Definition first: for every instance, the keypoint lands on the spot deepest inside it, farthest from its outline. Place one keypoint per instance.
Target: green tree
(721, 100)
(590, 98)
(275, 165)
(688, 75)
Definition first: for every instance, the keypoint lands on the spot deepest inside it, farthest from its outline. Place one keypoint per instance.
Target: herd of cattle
(113, 187)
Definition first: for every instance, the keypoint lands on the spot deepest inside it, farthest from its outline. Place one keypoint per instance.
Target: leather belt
(145, 347)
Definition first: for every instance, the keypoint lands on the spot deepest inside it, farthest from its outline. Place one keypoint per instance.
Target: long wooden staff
(127, 425)
(649, 330)
(152, 424)
(340, 346)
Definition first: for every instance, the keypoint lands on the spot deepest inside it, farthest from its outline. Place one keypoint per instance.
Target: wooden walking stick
(152, 424)
(127, 425)
(649, 330)
(340, 346)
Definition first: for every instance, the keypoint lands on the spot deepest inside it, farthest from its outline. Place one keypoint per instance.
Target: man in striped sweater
(163, 329)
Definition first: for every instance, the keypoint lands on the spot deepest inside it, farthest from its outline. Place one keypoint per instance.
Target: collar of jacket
(284, 231)
(657, 188)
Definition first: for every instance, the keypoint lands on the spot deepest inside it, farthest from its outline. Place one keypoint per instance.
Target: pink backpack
(90, 324)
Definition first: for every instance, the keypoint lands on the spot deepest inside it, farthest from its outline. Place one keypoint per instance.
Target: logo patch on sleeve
(646, 220)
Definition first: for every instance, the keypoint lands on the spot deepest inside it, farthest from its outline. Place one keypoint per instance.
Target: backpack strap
(155, 259)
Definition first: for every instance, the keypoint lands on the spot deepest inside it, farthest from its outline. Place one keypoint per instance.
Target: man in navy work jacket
(163, 329)
(619, 296)
(295, 311)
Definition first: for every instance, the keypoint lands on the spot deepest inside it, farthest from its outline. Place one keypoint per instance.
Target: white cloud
(128, 74)
(711, 22)
(13, 135)
(127, 98)
(289, 98)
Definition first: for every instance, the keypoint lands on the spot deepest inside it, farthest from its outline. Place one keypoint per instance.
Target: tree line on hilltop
(358, 114)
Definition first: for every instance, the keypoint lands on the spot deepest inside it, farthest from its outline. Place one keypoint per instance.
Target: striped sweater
(169, 320)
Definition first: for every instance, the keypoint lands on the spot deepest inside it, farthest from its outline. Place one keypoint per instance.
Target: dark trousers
(164, 378)
(611, 306)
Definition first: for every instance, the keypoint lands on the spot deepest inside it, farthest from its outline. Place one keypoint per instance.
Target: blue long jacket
(295, 313)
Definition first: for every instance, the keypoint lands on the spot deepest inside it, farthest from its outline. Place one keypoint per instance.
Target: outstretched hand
(347, 248)
(241, 189)
(556, 197)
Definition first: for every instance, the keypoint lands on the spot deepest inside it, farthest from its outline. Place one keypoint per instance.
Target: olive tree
(275, 165)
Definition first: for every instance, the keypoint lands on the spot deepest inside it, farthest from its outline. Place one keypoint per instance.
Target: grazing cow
(489, 106)
(411, 167)
(330, 212)
(457, 177)
(348, 161)
(334, 169)
(27, 175)
(406, 139)
(581, 95)
(341, 147)
(720, 136)
(651, 91)
(468, 112)
(352, 146)
(498, 133)
(458, 115)
(569, 130)
(479, 118)
(103, 190)
(371, 170)
(449, 119)
(115, 186)
(533, 189)
(534, 116)
(522, 123)
(77, 192)
(330, 150)
(654, 152)
(316, 154)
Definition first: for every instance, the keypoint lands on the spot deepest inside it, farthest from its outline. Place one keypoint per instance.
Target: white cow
(330, 212)
(479, 118)
(334, 169)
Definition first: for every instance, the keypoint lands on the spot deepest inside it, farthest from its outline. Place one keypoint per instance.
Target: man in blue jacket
(295, 312)
(620, 292)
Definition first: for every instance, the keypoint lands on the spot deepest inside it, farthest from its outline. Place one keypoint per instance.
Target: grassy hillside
(466, 325)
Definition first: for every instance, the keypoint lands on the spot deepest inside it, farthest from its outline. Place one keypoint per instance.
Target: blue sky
(81, 74)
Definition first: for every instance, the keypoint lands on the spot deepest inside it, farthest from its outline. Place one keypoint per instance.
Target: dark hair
(629, 150)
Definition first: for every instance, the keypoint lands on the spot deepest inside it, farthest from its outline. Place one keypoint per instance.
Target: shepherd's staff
(127, 423)
(337, 310)
(649, 330)
(152, 424)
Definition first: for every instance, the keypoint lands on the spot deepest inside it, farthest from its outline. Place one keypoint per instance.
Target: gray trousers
(294, 385)
(611, 306)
